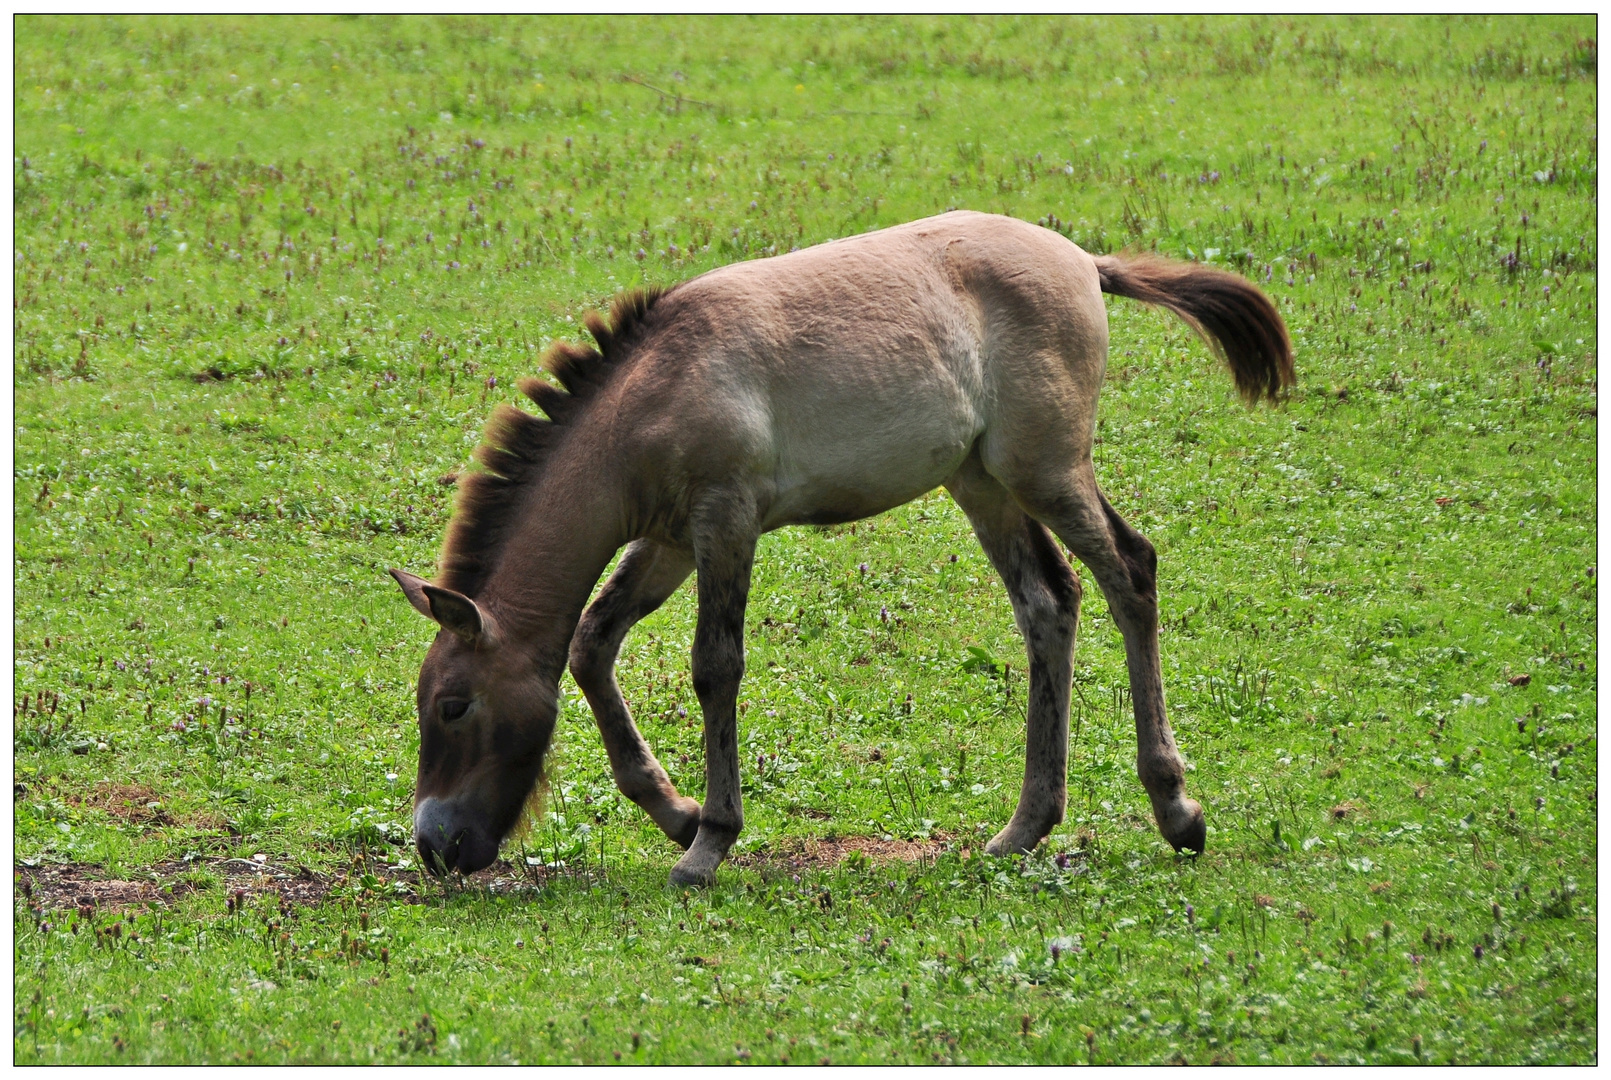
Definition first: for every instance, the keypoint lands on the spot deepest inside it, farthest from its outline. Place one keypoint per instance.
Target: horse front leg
(647, 575)
(724, 552)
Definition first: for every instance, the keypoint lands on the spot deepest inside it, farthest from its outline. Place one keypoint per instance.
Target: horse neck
(571, 527)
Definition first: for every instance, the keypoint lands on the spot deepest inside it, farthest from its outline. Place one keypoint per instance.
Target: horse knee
(717, 670)
(592, 657)
(1161, 774)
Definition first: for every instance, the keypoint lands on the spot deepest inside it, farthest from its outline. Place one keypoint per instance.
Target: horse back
(853, 376)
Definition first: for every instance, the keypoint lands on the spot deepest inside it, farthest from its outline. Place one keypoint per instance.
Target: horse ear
(456, 612)
(448, 609)
(413, 588)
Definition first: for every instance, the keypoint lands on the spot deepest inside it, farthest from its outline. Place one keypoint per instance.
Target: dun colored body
(825, 385)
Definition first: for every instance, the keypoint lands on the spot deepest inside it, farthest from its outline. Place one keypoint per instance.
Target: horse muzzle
(449, 839)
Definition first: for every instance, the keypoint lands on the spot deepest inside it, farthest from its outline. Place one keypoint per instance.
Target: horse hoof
(1011, 841)
(688, 878)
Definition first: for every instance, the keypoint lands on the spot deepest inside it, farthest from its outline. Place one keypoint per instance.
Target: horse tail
(1232, 315)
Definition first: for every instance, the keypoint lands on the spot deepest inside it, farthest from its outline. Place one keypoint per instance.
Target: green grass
(272, 275)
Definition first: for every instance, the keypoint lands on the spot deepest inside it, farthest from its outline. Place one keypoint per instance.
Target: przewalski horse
(821, 386)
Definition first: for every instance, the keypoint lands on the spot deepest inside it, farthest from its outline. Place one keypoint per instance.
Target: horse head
(486, 716)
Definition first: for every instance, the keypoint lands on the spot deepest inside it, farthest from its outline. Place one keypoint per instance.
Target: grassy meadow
(270, 277)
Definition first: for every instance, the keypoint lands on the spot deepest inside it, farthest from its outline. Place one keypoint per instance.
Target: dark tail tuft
(1237, 320)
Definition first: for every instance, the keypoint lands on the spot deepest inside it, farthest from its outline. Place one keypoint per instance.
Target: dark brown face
(485, 722)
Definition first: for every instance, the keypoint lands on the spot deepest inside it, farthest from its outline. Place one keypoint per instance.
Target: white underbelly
(837, 475)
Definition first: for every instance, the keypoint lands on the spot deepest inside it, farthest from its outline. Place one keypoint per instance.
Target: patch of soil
(56, 886)
(1345, 810)
(795, 855)
(53, 886)
(68, 885)
(132, 803)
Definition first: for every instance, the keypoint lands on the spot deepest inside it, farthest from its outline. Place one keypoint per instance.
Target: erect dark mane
(516, 444)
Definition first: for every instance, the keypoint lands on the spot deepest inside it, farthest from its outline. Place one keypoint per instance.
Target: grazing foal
(822, 386)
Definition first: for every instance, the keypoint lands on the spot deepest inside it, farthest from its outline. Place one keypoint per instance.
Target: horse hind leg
(1045, 595)
(647, 575)
(1125, 567)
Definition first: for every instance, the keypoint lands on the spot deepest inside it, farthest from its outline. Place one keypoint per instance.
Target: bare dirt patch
(796, 855)
(77, 885)
(131, 804)
(1345, 810)
(55, 886)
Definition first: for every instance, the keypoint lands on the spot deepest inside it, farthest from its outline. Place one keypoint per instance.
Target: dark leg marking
(724, 528)
(1045, 594)
(1125, 565)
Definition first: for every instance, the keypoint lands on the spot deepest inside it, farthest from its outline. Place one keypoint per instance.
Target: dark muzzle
(448, 839)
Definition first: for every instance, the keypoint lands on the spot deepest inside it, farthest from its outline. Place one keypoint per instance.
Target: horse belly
(863, 461)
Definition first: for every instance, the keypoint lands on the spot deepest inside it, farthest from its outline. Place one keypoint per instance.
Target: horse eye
(452, 710)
